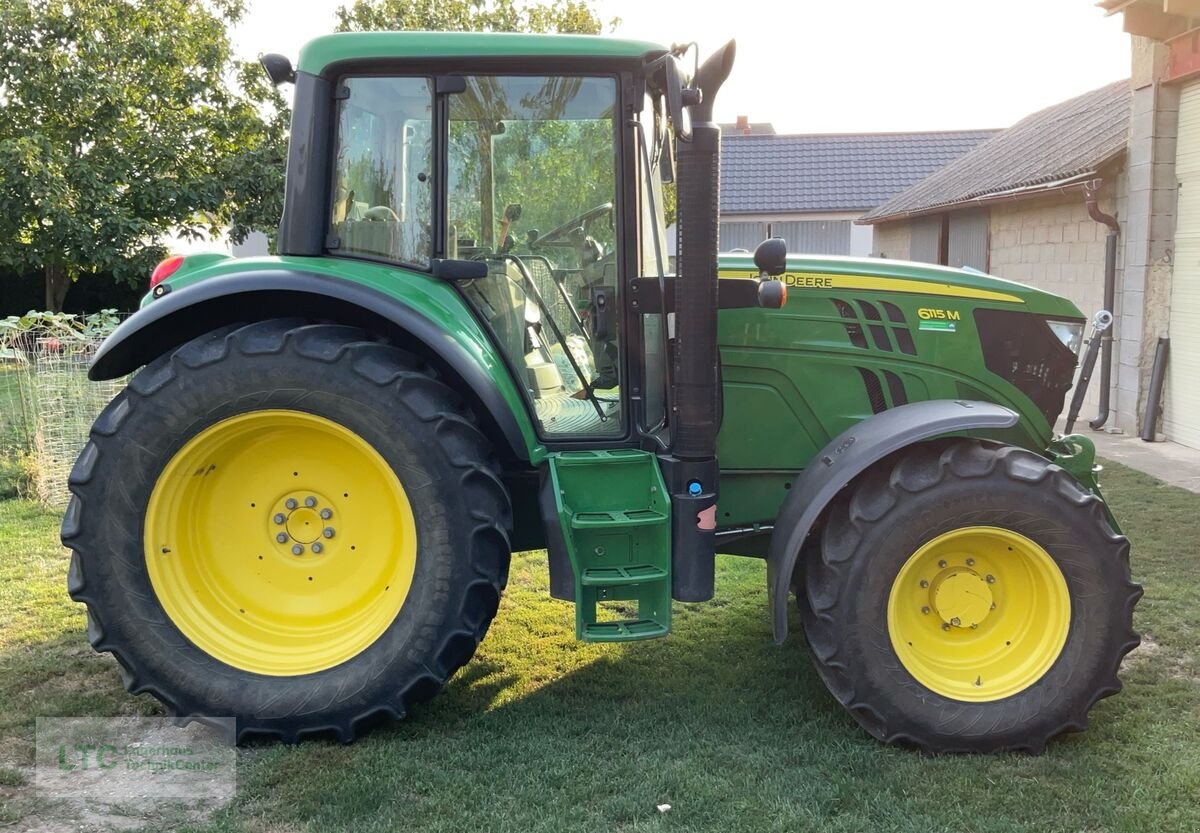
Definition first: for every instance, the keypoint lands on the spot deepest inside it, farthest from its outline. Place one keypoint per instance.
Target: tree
(122, 121)
(567, 16)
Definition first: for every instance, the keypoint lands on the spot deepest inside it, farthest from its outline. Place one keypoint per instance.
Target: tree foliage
(122, 121)
(568, 16)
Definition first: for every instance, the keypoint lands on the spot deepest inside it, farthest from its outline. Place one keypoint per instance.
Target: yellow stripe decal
(804, 280)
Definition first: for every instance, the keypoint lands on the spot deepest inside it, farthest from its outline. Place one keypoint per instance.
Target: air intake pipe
(690, 466)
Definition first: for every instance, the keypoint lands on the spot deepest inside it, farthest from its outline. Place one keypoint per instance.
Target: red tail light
(165, 270)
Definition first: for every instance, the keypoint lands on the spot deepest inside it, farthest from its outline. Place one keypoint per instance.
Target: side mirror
(677, 108)
(771, 256)
(279, 69)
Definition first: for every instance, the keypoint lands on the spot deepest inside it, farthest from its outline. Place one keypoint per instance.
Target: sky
(833, 66)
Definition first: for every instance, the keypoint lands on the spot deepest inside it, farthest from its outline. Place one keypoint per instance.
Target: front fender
(848, 455)
(424, 316)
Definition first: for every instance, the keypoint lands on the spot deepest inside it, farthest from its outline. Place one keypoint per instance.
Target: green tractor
(474, 340)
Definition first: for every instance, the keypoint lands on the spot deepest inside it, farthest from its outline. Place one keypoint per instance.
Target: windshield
(532, 188)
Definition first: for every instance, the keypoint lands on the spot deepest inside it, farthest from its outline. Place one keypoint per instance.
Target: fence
(55, 406)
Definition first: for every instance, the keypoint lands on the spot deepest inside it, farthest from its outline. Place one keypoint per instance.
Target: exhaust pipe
(690, 466)
(1092, 195)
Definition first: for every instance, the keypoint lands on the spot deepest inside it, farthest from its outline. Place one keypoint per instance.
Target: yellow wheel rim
(979, 613)
(280, 542)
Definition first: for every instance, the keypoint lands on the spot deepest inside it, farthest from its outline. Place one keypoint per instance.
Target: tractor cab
(536, 186)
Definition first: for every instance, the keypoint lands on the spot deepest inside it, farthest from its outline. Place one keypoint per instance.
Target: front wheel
(290, 524)
(969, 598)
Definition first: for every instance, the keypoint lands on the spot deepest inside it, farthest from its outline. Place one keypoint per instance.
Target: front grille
(1019, 347)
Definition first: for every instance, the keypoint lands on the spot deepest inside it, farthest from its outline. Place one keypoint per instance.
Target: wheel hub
(963, 599)
(308, 523)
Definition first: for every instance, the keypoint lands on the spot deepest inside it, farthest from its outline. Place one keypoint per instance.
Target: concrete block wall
(1145, 292)
(892, 240)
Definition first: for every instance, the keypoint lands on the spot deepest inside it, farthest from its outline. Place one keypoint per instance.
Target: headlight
(1070, 333)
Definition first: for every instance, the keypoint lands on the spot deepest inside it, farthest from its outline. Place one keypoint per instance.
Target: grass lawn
(539, 733)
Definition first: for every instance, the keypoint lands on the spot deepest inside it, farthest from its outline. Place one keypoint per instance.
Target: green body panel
(434, 299)
(615, 515)
(793, 378)
(358, 46)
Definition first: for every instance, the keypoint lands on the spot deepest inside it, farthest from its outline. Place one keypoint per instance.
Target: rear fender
(457, 346)
(845, 457)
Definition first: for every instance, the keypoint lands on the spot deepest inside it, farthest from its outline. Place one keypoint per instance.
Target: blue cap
(694, 488)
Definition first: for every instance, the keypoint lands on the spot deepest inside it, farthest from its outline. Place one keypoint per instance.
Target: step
(616, 576)
(614, 512)
(627, 630)
(617, 518)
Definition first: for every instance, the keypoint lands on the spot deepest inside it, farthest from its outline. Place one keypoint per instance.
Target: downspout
(1092, 196)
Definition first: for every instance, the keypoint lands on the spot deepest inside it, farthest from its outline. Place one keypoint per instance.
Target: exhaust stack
(690, 467)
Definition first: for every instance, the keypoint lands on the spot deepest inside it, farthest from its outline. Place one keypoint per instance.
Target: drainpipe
(1092, 196)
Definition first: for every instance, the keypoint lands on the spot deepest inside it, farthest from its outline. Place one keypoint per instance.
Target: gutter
(1010, 195)
(1092, 197)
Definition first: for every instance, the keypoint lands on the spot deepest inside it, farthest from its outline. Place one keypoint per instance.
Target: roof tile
(1067, 140)
(831, 172)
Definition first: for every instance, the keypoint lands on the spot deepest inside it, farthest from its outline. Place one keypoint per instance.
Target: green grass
(540, 733)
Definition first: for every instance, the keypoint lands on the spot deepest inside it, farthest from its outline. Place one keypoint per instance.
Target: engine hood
(881, 275)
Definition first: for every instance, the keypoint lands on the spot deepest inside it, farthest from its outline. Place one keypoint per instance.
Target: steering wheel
(572, 224)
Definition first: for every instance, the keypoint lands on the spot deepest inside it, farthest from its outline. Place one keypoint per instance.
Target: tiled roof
(1064, 142)
(831, 172)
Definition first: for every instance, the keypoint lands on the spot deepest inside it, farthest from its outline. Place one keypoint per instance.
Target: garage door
(1181, 412)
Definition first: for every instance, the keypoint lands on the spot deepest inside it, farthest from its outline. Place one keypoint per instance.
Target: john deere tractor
(474, 340)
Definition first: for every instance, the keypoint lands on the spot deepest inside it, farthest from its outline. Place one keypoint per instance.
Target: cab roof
(324, 51)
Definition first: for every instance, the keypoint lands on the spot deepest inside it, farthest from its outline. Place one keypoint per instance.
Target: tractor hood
(881, 275)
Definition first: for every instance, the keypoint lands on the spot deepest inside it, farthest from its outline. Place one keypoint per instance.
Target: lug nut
(290, 503)
(970, 562)
(924, 583)
(279, 518)
(945, 626)
(925, 609)
(316, 547)
(956, 621)
(942, 564)
(991, 579)
(297, 549)
(281, 537)
(310, 501)
(326, 513)
(327, 532)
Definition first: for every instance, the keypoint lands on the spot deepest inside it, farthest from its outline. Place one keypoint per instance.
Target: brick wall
(892, 240)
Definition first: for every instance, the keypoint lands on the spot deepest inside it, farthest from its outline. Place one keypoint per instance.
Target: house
(1162, 242)
(1017, 205)
(809, 189)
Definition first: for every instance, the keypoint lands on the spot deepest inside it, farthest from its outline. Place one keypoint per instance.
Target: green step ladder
(615, 516)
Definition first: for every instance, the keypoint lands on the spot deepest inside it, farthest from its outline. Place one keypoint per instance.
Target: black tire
(870, 533)
(390, 399)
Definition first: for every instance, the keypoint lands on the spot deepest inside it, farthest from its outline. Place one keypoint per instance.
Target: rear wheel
(969, 598)
(289, 524)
